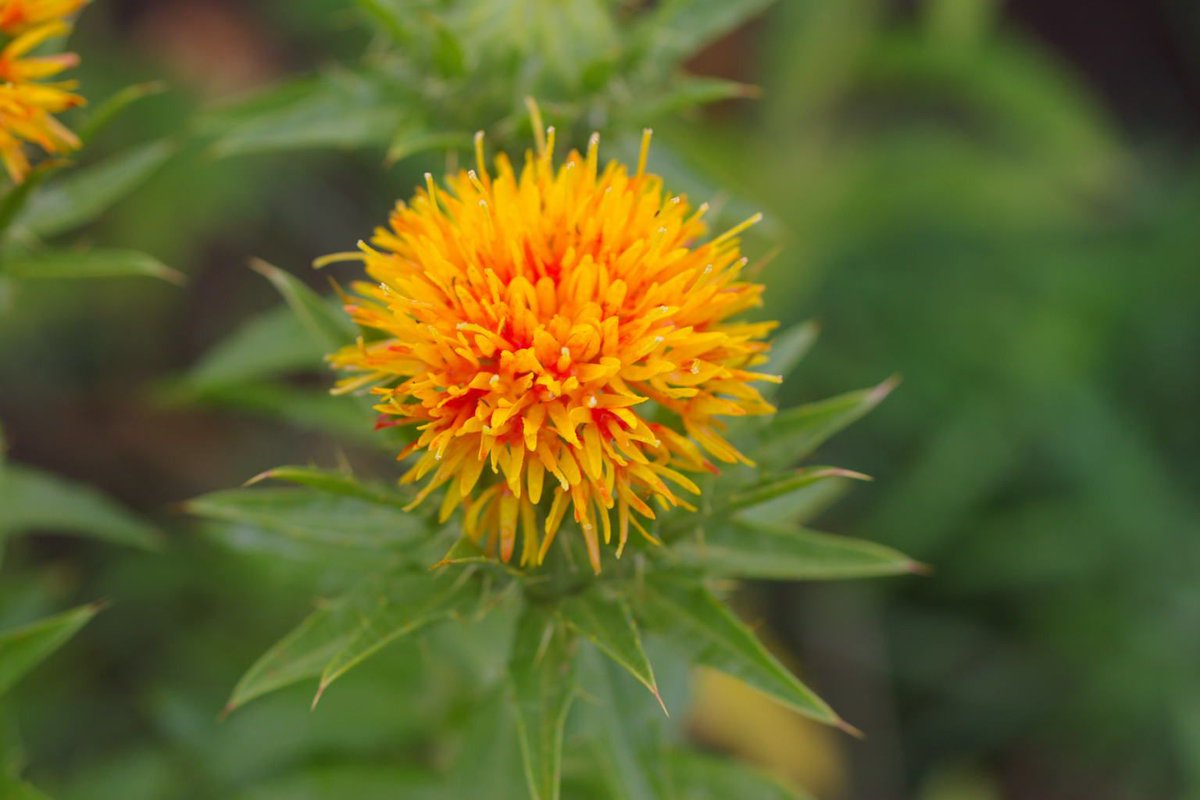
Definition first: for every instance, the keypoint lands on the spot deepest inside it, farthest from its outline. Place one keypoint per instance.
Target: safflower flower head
(562, 339)
(28, 105)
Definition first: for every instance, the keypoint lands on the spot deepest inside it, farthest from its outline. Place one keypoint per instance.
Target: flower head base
(27, 107)
(562, 343)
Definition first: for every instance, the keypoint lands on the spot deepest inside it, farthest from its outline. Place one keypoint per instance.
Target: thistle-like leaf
(343, 632)
(35, 500)
(272, 343)
(330, 328)
(542, 673)
(95, 263)
(22, 649)
(79, 197)
(605, 619)
(744, 548)
(690, 618)
(315, 516)
(795, 433)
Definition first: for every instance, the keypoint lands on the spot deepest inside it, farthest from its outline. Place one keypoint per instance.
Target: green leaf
(35, 500)
(22, 649)
(12, 788)
(788, 349)
(418, 140)
(774, 489)
(689, 92)
(336, 110)
(795, 433)
(82, 195)
(329, 328)
(692, 619)
(397, 607)
(338, 483)
(488, 755)
(543, 676)
(97, 263)
(625, 742)
(387, 17)
(306, 409)
(109, 110)
(744, 548)
(606, 621)
(341, 633)
(273, 343)
(315, 517)
(678, 28)
(696, 776)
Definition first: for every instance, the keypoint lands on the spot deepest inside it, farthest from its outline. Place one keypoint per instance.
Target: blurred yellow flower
(557, 322)
(27, 107)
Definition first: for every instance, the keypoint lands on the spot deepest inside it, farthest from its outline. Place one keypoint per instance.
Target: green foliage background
(952, 203)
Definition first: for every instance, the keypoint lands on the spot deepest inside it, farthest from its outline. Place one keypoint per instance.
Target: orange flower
(27, 106)
(562, 340)
(19, 15)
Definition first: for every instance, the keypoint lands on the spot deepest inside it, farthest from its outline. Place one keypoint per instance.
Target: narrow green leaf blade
(397, 607)
(315, 516)
(34, 500)
(795, 433)
(113, 107)
(300, 655)
(788, 349)
(678, 28)
(96, 263)
(331, 329)
(82, 195)
(743, 548)
(543, 674)
(692, 619)
(22, 649)
(773, 489)
(339, 483)
(273, 343)
(337, 110)
(605, 619)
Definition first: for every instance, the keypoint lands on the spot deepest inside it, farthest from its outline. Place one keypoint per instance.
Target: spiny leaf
(304, 408)
(96, 263)
(787, 350)
(605, 619)
(678, 28)
(796, 432)
(110, 109)
(342, 633)
(338, 483)
(273, 343)
(329, 328)
(744, 548)
(773, 489)
(693, 620)
(488, 756)
(314, 516)
(335, 110)
(625, 742)
(400, 607)
(35, 500)
(82, 195)
(542, 674)
(22, 649)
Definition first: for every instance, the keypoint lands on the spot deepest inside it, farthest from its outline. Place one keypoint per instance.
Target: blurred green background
(998, 201)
